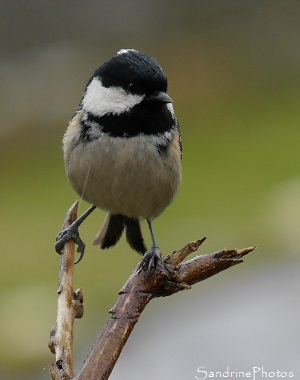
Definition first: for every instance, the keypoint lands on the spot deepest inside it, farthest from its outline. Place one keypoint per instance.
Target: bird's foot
(67, 234)
(150, 260)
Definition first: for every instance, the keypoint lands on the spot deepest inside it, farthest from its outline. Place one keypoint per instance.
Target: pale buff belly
(126, 176)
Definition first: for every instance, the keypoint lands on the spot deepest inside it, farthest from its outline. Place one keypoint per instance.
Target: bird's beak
(160, 96)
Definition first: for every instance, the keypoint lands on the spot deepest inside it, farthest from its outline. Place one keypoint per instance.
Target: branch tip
(178, 256)
(71, 214)
(245, 251)
(52, 342)
(234, 254)
(78, 295)
(78, 303)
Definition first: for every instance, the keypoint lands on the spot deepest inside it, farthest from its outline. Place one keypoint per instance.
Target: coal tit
(122, 151)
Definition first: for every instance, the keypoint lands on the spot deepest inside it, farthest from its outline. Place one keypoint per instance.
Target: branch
(170, 276)
(69, 307)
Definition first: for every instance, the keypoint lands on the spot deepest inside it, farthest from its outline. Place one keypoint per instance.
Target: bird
(123, 151)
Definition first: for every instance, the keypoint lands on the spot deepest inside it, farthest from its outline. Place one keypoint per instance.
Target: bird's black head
(127, 96)
(135, 72)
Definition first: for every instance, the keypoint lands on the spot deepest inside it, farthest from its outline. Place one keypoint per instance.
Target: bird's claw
(67, 234)
(150, 260)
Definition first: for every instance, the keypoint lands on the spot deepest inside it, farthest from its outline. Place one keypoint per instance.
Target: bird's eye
(133, 87)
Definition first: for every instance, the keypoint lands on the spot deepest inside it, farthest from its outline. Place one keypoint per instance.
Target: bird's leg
(153, 254)
(72, 232)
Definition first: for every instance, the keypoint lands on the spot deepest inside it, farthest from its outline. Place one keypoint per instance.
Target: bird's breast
(131, 176)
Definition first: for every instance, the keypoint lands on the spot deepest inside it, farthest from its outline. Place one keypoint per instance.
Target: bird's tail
(113, 228)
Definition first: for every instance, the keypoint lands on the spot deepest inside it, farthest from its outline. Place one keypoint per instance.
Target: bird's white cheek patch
(171, 109)
(101, 100)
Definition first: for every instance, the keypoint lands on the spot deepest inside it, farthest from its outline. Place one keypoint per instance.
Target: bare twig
(139, 290)
(171, 276)
(69, 307)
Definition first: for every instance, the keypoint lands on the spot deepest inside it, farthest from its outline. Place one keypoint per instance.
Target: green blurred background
(233, 70)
